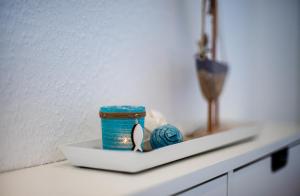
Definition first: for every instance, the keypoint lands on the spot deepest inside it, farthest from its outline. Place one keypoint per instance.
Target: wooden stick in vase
(214, 11)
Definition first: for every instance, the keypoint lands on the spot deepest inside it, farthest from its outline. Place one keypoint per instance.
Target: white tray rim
(89, 154)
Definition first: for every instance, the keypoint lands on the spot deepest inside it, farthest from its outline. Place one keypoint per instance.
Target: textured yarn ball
(165, 135)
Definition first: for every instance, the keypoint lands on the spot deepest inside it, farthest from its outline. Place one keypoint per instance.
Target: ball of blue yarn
(165, 135)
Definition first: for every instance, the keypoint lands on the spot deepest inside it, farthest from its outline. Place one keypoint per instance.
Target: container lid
(124, 111)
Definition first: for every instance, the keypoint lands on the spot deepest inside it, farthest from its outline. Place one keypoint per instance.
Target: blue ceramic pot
(117, 124)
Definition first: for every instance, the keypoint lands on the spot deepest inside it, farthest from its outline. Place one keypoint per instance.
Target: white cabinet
(274, 175)
(215, 187)
(215, 173)
(259, 179)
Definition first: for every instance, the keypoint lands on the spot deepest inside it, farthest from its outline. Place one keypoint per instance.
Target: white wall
(61, 60)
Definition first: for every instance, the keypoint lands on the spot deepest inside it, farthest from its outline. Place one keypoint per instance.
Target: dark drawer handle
(279, 159)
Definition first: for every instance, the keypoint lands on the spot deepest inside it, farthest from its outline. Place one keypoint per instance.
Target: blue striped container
(117, 124)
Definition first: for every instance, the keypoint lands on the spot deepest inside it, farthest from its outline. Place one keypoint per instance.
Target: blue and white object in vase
(165, 135)
(121, 125)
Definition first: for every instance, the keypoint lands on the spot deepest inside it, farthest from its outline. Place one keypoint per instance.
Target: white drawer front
(258, 178)
(216, 187)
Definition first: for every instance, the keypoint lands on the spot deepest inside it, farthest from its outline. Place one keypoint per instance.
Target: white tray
(90, 153)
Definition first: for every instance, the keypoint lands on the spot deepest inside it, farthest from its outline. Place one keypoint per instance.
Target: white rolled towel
(153, 120)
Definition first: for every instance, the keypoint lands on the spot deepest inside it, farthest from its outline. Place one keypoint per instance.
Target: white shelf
(63, 179)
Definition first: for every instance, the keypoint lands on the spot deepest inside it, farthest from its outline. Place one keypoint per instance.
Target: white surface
(216, 187)
(258, 179)
(91, 154)
(60, 60)
(63, 179)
